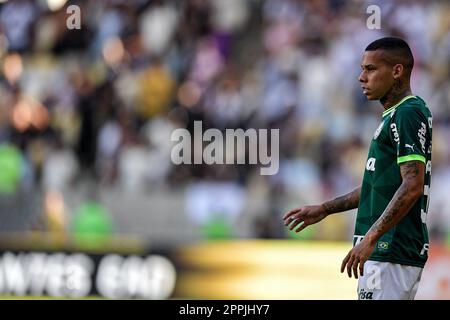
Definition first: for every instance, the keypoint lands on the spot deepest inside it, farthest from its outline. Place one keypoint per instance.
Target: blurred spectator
(156, 88)
(215, 207)
(16, 199)
(16, 21)
(60, 167)
(157, 27)
(92, 224)
(11, 168)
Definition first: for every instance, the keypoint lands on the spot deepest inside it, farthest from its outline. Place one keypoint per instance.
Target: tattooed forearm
(399, 206)
(343, 203)
(410, 190)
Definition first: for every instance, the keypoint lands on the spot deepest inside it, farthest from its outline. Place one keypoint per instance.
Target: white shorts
(388, 281)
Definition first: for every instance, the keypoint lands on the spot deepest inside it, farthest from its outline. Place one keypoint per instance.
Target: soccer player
(390, 244)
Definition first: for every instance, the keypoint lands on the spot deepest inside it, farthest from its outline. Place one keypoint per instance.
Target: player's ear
(397, 71)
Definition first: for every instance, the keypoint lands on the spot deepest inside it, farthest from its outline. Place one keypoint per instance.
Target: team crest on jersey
(378, 131)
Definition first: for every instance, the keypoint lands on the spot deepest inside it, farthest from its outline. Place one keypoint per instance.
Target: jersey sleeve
(409, 134)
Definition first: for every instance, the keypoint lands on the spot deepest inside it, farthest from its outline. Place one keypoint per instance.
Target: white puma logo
(410, 146)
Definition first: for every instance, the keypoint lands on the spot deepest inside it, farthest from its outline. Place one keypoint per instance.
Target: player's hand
(356, 258)
(307, 215)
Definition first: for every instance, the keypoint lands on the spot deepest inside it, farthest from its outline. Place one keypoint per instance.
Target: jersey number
(426, 193)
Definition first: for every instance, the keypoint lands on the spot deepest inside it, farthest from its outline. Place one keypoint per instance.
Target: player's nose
(361, 77)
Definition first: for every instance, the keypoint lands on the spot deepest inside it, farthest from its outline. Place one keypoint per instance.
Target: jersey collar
(394, 107)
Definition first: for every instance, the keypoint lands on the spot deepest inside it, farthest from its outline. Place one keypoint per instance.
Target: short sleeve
(409, 134)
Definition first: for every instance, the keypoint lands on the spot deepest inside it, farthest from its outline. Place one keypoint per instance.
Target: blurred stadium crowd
(89, 112)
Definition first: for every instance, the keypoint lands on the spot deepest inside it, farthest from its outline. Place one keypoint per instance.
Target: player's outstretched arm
(312, 214)
(407, 194)
(343, 203)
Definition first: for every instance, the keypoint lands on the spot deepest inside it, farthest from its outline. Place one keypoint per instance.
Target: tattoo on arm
(409, 192)
(343, 203)
(410, 170)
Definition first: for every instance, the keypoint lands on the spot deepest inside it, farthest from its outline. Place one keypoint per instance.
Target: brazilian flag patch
(383, 245)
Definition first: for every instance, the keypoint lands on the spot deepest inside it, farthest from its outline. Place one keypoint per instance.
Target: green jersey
(404, 134)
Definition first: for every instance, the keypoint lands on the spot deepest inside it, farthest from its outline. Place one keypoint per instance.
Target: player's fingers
(355, 267)
(349, 266)
(290, 219)
(292, 212)
(361, 268)
(295, 220)
(295, 223)
(303, 226)
(344, 262)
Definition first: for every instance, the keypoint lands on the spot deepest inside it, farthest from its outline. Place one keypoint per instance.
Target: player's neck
(396, 94)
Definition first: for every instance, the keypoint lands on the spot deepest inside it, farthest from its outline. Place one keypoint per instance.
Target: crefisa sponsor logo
(365, 295)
